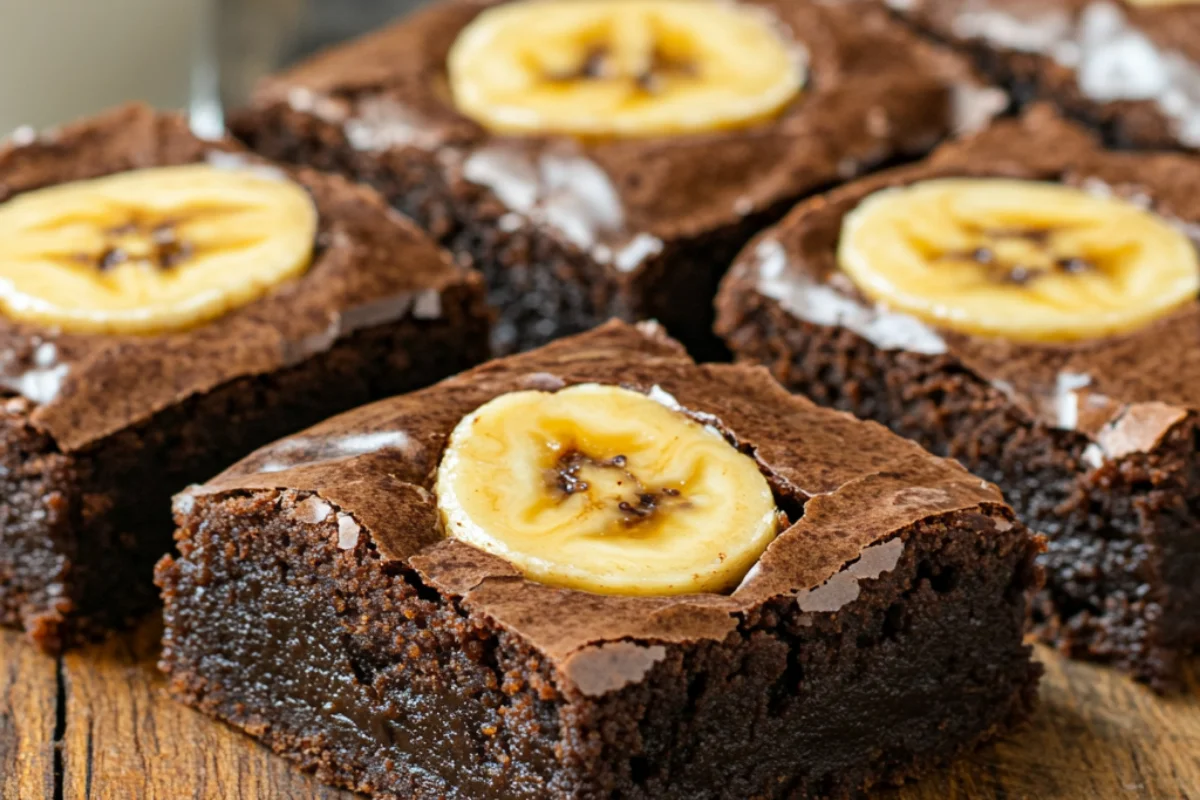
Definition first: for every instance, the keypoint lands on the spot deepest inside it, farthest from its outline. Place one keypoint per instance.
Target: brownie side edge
(41, 501)
(282, 619)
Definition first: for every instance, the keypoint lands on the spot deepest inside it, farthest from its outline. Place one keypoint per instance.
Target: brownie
(315, 604)
(1093, 442)
(1133, 70)
(570, 233)
(98, 431)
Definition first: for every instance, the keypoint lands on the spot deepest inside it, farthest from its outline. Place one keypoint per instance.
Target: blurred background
(61, 59)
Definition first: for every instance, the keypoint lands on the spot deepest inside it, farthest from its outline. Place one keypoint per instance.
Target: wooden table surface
(99, 724)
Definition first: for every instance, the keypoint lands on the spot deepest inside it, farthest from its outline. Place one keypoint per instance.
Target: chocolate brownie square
(1129, 67)
(1072, 381)
(318, 603)
(585, 215)
(145, 342)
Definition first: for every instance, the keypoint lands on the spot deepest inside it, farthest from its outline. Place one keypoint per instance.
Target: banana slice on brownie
(604, 489)
(1019, 259)
(623, 67)
(152, 250)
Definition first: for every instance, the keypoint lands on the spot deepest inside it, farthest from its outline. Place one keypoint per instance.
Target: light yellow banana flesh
(152, 250)
(605, 490)
(1017, 259)
(623, 67)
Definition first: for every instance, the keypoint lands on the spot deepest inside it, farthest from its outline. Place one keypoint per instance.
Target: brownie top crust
(1123, 391)
(369, 266)
(874, 91)
(1142, 60)
(850, 490)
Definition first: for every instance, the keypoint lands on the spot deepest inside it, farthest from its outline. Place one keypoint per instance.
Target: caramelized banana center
(651, 72)
(1020, 256)
(609, 482)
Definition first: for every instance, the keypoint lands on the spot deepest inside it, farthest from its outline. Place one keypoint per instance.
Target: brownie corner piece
(1093, 438)
(315, 603)
(571, 231)
(102, 421)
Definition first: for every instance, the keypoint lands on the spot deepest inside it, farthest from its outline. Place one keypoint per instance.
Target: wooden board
(118, 736)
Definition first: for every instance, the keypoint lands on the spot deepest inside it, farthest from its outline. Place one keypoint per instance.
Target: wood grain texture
(127, 740)
(1097, 736)
(28, 719)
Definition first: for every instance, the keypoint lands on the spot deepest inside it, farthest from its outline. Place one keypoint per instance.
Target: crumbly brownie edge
(376, 682)
(39, 511)
(1123, 539)
(104, 520)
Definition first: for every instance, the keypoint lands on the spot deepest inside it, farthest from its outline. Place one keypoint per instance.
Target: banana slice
(151, 251)
(1017, 259)
(606, 490)
(623, 67)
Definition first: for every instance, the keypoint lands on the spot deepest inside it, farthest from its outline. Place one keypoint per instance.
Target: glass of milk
(62, 59)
